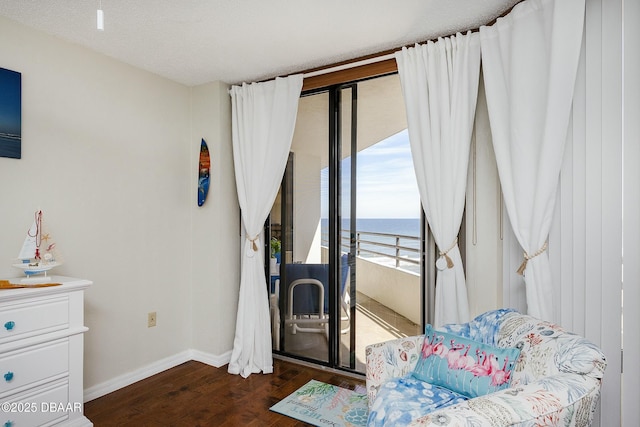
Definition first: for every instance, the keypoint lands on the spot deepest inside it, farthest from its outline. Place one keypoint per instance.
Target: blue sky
(386, 181)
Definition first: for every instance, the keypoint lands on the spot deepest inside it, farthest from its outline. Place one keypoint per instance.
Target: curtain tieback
(447, 258)
(254, 245)
(527, 257)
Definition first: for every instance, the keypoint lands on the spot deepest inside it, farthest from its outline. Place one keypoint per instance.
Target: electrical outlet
(151, 319)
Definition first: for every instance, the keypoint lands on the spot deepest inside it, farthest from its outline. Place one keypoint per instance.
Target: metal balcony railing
(368, 244)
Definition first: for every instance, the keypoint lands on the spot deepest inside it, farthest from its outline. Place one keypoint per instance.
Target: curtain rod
(348, 65)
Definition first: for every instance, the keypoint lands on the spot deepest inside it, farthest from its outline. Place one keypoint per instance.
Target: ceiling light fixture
(100, 18)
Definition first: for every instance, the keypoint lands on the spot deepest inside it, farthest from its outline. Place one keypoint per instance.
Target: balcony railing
(398, 248)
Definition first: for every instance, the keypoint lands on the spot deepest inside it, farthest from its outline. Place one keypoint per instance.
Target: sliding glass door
(300, 273)
(347, 225)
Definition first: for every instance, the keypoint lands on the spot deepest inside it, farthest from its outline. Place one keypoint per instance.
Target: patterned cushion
(465, 366)
(484, 328)
(404, 399)
(546, 350)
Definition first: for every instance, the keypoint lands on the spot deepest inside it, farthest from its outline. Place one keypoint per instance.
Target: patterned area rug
(322, 404)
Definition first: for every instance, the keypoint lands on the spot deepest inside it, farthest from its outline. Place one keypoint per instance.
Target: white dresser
(41, 355)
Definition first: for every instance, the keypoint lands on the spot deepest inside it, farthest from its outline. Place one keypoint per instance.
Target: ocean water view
(10, 145)
(381, 239)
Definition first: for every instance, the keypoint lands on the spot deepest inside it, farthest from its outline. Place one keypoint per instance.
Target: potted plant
(275, 256)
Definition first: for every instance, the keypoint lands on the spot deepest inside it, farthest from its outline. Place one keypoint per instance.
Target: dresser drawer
(43, 406)
(33, 365)
(38, 316)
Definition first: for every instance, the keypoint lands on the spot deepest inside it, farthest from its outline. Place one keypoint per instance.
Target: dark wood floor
(195, 394)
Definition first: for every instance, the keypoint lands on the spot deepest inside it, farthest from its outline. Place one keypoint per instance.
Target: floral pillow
(462, 365)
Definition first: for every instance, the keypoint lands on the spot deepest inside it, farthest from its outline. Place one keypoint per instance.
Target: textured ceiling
(199, 41)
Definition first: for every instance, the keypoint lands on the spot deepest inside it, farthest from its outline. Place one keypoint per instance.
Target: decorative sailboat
(39, 253)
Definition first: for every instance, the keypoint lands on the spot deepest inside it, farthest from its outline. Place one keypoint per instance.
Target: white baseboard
(210, 359)
(121, 381)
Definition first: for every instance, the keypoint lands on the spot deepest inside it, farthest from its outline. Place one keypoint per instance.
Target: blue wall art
(10, 114)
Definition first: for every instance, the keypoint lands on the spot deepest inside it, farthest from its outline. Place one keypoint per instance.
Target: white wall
(215, 261)
(306, 213)
(109, 154)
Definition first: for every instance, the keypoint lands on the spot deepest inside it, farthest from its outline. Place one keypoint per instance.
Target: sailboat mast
(31, 246)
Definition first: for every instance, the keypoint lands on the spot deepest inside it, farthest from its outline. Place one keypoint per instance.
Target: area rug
(322, 404)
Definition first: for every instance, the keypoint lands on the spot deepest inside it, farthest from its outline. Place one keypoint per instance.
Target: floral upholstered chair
(501, 369)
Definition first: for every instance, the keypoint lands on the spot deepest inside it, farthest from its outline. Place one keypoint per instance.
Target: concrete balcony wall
(394, 288)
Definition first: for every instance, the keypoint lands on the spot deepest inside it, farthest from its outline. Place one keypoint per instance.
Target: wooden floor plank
(195, 394)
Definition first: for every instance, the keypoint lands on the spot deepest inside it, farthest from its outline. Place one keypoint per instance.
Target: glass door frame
(335, 191)
(335, 222)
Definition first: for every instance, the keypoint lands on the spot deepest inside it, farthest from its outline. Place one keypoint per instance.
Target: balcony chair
(551, 377)
(307, 297)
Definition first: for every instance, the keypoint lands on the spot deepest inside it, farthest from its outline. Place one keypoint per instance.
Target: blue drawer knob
(8, 376)
(8, 424)
(9, 325)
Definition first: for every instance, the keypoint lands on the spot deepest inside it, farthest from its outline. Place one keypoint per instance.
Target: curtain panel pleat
(440, 87)
(529, 61)
(263, 121)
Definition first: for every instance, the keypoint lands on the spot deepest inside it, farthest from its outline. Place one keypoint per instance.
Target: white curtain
(530, 60)
(263, 120)
(440, 86)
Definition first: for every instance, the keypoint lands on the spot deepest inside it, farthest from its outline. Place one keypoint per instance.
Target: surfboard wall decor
(204, 166)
